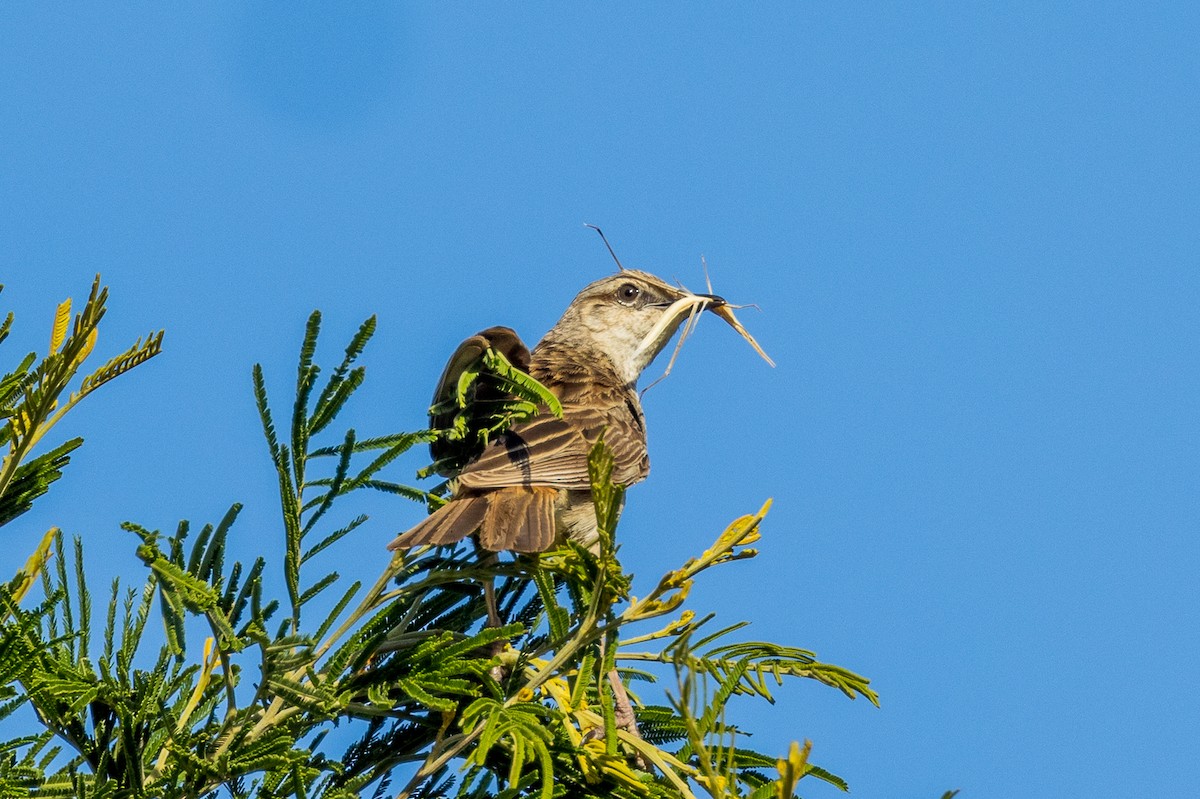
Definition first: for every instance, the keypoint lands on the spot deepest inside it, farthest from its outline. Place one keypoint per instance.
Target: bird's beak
(690, 304)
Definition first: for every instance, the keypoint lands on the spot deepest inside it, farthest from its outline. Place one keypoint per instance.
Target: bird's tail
(517, 518)
(452, 522)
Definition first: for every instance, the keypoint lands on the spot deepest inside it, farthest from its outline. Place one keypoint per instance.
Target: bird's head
(630, 317)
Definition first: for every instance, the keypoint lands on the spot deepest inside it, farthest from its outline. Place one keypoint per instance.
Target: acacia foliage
(34, 397)
(202, 684)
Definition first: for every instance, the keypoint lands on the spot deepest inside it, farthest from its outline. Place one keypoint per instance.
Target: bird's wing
(452, 453)
(503, 340)
(554, 452)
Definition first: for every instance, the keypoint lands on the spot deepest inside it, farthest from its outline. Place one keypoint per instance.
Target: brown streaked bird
(529, 488)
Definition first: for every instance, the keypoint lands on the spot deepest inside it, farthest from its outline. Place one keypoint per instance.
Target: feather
(535, 529)
(505, 506)
(554, 452)
(452, 522)
(452, 453)
(520, 519)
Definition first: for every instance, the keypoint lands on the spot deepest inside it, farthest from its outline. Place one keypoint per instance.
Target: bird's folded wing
(451, 453)
(554, 452)
(503, 340)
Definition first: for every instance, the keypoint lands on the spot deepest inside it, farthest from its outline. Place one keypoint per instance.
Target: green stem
(434, 761)
(369, 602)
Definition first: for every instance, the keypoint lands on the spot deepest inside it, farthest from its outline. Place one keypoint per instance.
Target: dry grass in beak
(726, 313)
(690, 325)
(698, 303)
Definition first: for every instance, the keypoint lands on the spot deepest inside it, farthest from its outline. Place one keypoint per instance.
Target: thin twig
(609, 246)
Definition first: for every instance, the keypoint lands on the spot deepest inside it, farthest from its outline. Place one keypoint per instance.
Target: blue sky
(972, 232)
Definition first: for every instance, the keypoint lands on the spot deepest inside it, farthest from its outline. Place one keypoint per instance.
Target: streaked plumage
(530, 486)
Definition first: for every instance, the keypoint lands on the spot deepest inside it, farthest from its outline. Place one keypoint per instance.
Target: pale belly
(575, 518)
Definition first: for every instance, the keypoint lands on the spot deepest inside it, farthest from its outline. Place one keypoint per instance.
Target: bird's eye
(627, 293)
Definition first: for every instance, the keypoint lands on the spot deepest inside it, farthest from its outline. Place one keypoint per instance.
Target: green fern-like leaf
(32, 480)
(343, 382)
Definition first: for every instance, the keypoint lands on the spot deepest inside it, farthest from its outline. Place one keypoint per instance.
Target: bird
(529, 489)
